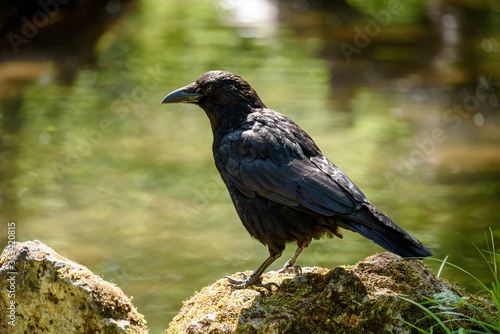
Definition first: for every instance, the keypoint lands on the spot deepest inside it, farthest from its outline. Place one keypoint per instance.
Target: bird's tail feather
(395, 245)
(384, 232)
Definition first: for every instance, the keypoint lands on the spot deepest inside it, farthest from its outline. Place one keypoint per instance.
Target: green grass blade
(430, 313)
(442, 266)
(465, 271)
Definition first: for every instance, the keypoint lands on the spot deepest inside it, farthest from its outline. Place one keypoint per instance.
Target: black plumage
(284, 189)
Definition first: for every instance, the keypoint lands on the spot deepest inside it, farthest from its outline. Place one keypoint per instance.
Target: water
(105, 175)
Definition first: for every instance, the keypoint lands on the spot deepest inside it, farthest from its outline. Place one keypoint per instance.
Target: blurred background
(403, 96)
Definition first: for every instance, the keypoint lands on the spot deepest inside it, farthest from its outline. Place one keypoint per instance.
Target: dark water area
(402, 96)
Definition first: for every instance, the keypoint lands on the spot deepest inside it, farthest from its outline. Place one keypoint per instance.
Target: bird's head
(223, 95)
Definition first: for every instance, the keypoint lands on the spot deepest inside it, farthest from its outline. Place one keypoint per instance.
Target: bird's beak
(183, 95)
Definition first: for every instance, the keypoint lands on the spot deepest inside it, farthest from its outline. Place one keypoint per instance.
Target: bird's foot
(290, 269)
(249, 281)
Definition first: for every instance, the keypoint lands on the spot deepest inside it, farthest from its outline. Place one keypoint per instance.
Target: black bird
(284, 189)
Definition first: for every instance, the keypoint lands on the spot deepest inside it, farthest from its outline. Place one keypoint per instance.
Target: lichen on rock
(52, 294)
(363, 298)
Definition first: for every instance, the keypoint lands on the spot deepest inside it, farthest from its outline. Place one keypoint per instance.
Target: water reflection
(256, 19)
(103, 174)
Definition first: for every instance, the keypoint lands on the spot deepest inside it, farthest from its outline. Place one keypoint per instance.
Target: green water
(108, 177)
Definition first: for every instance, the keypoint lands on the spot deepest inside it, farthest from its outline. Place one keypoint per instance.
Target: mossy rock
(55, 295)
(364, 298)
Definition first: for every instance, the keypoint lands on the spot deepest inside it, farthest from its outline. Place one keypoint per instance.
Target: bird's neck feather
(227, 117)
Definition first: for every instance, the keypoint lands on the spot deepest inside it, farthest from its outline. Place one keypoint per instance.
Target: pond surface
(108, 177)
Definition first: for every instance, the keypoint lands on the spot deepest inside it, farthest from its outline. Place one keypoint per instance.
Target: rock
(48, 293)
(364, 298)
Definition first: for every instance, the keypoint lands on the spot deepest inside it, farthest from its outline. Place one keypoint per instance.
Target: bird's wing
(281, 162)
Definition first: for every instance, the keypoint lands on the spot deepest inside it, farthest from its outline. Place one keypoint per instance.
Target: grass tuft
(454, 314)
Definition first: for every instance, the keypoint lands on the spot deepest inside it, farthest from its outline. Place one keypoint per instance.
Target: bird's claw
(249, 281)
(297, 270)
(237, 282)
(267, 286)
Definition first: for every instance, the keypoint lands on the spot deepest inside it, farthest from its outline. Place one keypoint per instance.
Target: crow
(283, 188)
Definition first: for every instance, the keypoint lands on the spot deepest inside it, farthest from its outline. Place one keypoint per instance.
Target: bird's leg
(255, 278)
(289, 267)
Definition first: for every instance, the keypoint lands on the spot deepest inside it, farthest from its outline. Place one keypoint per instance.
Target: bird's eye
(210, 88)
